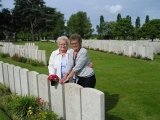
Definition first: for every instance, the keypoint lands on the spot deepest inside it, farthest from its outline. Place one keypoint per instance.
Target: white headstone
(43, 87)
(1, 72)
(33, 54)
(57, 100)
(32, 79)
(5, 74)
(73, 101)
(17, 80)
(93, 104)
(11, 78)
(24, 81)
(30, 53)
(130, 50)
(39, 55)
(36, 54)
(149, 53)
(44, 57)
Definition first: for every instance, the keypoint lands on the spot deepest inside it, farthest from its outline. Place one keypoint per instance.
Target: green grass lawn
(131, 86)
(3, 116)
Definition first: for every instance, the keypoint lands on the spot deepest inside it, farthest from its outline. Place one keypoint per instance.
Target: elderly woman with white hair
(59, 58)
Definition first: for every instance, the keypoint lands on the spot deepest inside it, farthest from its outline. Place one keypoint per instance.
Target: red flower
(53, 77)
(39, 99)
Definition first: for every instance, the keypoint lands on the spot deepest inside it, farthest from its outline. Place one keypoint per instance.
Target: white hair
(63, 38)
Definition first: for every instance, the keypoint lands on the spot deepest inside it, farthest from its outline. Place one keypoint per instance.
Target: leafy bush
(3, 90)
(138, 56)
(37, 63)
(120, 53)
(44, 111)
(34, 63)
(22, 59)
(158, 53)
(133, 55)
(27, 108)
(29, 61)
(21, 105)
(4, 55)
(40, 63)
(145, 58)
(7, 101)
(15, 57)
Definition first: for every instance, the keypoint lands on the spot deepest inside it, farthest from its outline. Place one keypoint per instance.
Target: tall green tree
(147, 19)
(99, 27)
(123, 29)
(34, 16)
(119, 17)
(137, 23)
(150, 30)
(59, 29)
(6, 23)
(80, 23)
(128, 17)
(107, 30)
(0, 4)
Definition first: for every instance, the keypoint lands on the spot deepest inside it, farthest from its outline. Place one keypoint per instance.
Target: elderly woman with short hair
(78, 64)
(59, 58)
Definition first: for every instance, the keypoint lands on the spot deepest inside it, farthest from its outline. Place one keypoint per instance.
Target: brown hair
(76, 37)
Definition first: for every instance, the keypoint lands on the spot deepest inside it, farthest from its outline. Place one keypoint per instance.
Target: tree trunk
(32, 36)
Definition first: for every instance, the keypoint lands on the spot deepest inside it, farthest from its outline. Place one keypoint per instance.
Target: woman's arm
(68, 76)
(51, 69)
(82, 58)
(81, 61)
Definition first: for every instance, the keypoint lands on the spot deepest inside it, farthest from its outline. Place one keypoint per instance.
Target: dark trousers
(87, 82)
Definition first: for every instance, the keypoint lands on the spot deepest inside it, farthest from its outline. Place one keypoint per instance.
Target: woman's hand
(65, 80)
(90, 65)
(61, 80)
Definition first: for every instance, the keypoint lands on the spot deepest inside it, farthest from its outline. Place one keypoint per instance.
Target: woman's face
(75, 45)
(63, 46)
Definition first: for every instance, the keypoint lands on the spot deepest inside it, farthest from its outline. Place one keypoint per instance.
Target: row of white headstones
(29, 50)
(144, 48)
(69, 101)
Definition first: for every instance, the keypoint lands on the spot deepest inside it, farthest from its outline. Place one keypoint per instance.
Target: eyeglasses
(63, 44)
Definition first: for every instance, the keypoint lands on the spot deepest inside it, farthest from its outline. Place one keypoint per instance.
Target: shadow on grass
(110, 102)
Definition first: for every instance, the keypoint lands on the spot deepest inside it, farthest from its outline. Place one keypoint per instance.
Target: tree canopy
(80, 23)
(123, 29)
(34, 16)
(150, 30)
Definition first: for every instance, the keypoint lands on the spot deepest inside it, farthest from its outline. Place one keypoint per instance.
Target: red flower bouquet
(53, 79)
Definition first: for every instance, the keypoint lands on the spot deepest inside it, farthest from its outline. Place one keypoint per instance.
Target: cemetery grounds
(131, 86)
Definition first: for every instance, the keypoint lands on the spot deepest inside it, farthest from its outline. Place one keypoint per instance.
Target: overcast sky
(108, 8)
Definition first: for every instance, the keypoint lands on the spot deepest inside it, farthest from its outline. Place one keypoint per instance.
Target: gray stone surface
(24, 81)
(17, 80)
(44, 57)
(43, 87)
(39, 55)
(5, 74)
(57, 99)
(73, 101)
(32, 54)
(93, 106)
(1, 72)
(32, 82)
(11, 78)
